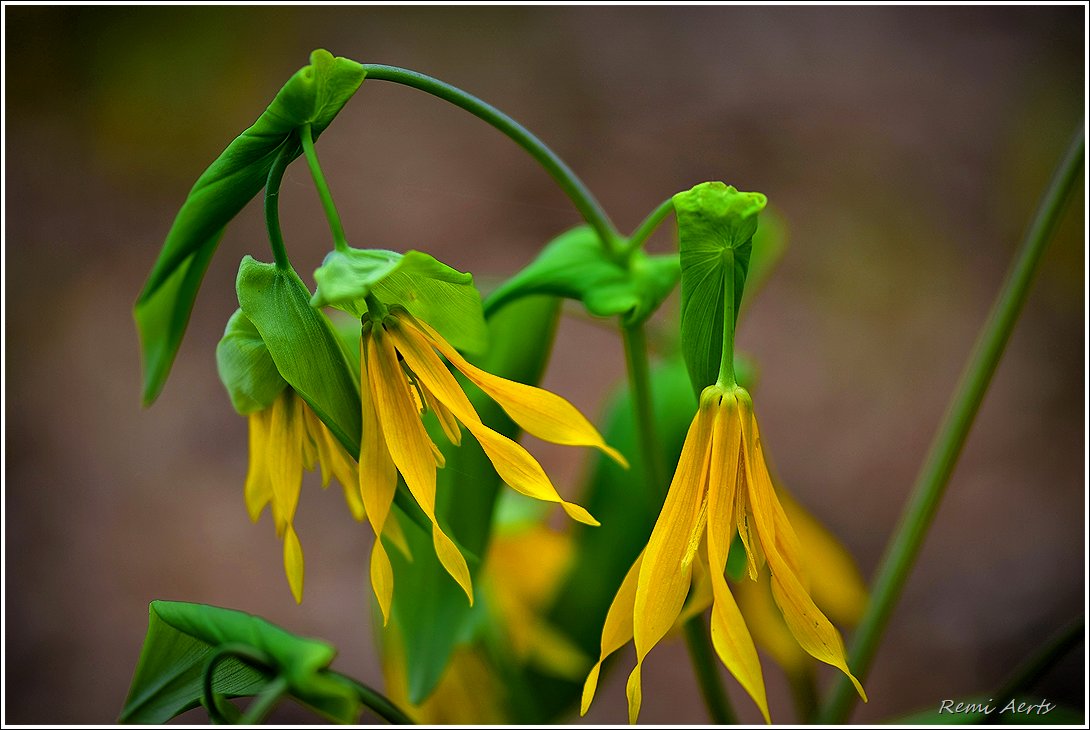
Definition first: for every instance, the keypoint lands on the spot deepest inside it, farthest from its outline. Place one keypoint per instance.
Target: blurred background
(905, 147)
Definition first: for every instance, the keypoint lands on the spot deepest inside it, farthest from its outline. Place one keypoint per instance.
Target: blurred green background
(906, 148)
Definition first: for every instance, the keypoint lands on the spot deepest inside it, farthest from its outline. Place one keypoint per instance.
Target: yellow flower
(285, 438)
(402, 375)
(721, 486)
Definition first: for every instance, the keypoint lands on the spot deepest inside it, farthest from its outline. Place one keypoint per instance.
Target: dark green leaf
(574, 265)
(302, 344)
(245, 366)
(430, 609)
(432, 291)
(769, 244)
(183, 637)
(314, 95)
(715, 224)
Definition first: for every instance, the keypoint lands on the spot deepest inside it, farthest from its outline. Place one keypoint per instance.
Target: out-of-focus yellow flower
(721, 486)
(521, 595)
(835, 585)
(285, 438)
(402, 375)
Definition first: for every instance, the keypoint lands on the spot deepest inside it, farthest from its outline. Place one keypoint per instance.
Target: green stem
(264, 703)
(639, 384)
(650, 223)
(377, 702)
(726, 361)
(942, 456)
(340, 243)
(272, 205)
(711, 688)
(573, 187)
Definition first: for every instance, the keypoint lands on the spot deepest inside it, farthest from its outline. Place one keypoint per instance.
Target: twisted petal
(336, 462)
(729, 633)
(409, 446)
(617, 630)
(377, 483)
(446, 419)
(538, 412)
(284, 458)
(512, 462)
(806, 622)
(667, 561)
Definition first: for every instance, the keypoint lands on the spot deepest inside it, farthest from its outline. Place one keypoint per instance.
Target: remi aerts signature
(1013, 707)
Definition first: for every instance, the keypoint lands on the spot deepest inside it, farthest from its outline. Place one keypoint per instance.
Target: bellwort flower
(721, 488)
(402, 375)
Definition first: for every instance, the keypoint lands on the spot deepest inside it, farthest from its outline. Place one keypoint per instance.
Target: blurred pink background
(906, 148)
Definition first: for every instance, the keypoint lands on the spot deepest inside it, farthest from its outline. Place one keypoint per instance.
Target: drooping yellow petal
(766, 625)
(787, 542)
(513, 463)
(667, 560)
(730, 636)
(617, 630)
(700, 593)
(815, 634)
(284, 458)
(293, 563)
(836, 584)
(258, 491)
(537, 411)
(409, 446)
(746, 529)
(377, 484)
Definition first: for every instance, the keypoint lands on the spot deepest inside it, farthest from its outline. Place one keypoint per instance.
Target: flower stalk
(340, 243)
(939, 464)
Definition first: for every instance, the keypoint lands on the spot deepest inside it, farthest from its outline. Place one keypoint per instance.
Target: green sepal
(576, 266)
(314, 96)
(429, 289)
(302, 344)
(183, 637)
(715, 226)
(245, 366)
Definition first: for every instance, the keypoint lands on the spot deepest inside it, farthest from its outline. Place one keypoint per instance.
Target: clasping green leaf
(576, 266)
(314, 96)
(430, 290)
(715, 224)
(246, 367)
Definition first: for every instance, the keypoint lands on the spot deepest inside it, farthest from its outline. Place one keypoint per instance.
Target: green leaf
(715, 225)
(314, 95)
(574, 265)
(432, 291)
(245, 366)
(429, 608)
(769, 245)
(183, 637)
(302, 344)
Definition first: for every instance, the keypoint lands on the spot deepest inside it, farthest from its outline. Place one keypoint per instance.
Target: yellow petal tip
(617, 456)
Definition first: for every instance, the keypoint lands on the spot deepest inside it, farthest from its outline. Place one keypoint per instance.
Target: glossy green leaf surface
(574, 265)
(314, 96)
(430, 609)
(429, 289)
(716, 224)
(183, 637)
(245, 366)
(303, 346)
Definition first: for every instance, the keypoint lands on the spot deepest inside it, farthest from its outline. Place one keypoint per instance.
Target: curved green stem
(272, 204)
(377, 702)
(256, 659)
(711, 688)
(340, 243)
(573, 187)
(650, 223)
(264, 703)
(942, 456)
